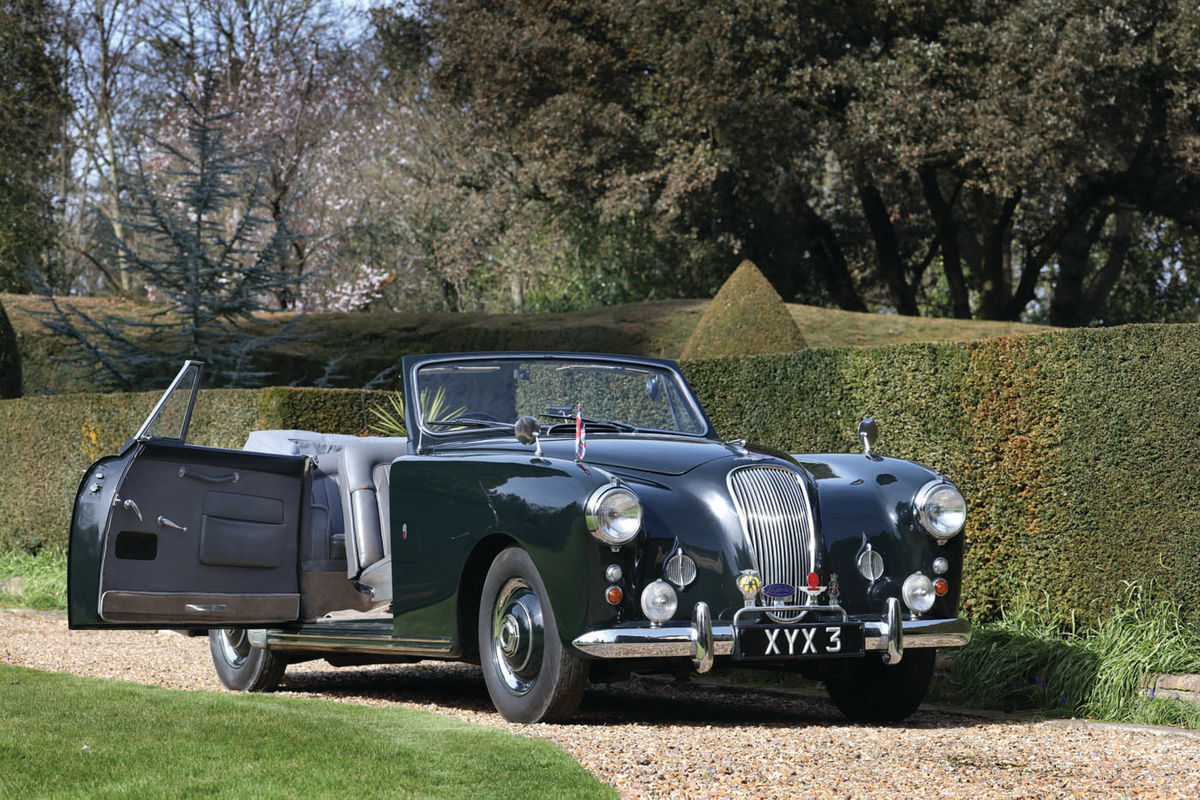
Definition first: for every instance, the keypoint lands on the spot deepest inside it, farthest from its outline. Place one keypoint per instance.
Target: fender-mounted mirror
(868, 434)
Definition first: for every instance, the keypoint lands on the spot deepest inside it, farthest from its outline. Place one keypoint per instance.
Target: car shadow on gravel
(640, 700)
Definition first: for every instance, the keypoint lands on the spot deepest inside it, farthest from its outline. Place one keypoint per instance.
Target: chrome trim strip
(347, 642)
(680, 641)
(767, 611)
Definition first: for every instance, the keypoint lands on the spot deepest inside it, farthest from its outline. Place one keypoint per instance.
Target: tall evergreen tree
(209, 253)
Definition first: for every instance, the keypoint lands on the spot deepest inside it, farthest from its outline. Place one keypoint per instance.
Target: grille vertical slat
(773, 508)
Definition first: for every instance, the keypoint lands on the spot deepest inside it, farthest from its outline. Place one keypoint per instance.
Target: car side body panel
(444, 505)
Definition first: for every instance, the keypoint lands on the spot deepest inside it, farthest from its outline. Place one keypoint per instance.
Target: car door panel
(199, 537)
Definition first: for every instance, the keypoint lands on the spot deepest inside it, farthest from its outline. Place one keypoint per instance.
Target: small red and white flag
(580, 434)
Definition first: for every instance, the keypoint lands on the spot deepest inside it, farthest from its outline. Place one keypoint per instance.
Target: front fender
(868, 500)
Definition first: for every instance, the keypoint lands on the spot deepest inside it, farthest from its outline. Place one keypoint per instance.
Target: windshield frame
(426, 436)
(183, 389)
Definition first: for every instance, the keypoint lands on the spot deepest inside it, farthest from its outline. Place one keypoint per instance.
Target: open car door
(168, 534)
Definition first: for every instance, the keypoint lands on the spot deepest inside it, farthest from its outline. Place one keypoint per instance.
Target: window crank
(132, 506)
(166, 523)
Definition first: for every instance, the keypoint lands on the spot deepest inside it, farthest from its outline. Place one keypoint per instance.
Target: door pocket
(236, 543)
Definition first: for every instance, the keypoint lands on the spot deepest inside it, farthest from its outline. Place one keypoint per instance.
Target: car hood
(663, 455)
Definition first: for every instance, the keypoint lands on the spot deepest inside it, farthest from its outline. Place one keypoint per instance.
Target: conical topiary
(10, 359)
(746, 317)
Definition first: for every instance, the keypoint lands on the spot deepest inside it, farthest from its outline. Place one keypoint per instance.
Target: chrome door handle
(163, 522)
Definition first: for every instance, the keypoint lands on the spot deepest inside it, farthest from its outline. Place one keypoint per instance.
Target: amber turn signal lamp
(614, 595)
(941, 586)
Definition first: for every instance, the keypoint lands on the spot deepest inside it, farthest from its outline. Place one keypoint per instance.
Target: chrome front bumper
(702, 640)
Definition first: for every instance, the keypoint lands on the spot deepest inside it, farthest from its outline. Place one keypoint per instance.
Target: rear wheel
(240, 666)
(869, 690)
(530, 675)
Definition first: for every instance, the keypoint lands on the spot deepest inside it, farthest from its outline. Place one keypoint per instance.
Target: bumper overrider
(702, 640)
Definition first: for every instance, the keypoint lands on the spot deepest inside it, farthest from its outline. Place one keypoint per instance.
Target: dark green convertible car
(555, 517)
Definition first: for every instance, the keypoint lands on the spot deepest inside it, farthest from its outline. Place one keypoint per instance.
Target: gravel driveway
(651, 739)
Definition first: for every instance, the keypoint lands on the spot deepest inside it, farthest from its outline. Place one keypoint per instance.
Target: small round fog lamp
(659, 602)
(918, 593)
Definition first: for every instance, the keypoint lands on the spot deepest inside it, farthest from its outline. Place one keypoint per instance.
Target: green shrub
(1033, 659)
(34, 581)
(746, 317)
(1073, 449)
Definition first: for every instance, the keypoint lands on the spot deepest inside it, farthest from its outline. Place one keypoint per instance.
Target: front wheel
(240, 666)
(871, 691)
(530, 675)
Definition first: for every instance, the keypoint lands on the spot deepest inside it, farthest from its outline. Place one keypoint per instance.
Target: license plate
(804, 640)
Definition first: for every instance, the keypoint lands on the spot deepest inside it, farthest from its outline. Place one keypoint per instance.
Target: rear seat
(361, 468)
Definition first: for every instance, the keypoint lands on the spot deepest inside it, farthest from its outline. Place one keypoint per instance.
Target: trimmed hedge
(46, 443)
(1075, 449)
(746, 317)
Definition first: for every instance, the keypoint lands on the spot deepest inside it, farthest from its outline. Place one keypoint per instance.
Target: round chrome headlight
(918, 593)
(941, 509)
(614, 515)
(659, 602)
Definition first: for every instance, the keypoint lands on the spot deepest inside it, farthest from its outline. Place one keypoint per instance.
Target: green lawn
(64, 736)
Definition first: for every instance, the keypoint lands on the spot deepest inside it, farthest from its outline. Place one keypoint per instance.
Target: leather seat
(361, 467)
(364, 467)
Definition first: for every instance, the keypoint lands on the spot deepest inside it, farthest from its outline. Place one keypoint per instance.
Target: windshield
(499, 391)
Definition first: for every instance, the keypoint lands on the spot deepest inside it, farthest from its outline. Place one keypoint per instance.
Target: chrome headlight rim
(600, 521)
(929, 512)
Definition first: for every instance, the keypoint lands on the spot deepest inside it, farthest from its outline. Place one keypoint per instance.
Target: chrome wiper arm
(621, 426)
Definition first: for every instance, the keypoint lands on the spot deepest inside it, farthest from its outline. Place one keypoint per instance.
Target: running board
(374, 638)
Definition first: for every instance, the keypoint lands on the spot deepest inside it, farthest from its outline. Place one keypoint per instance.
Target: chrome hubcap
(235, 646)
(518, 636)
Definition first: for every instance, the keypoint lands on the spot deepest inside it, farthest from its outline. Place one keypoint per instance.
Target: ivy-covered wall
(1076, 450)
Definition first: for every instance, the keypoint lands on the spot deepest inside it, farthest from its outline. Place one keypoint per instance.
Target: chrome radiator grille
(773, 508)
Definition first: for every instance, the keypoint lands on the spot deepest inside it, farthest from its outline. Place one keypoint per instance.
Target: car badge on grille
(748, 583)
(780, 591)
(814, 586)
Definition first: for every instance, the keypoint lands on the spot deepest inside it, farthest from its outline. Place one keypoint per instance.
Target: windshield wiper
(612, 423)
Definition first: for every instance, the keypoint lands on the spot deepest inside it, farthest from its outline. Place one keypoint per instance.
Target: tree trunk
(831, 261)
(942, 212)
(887, 248)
